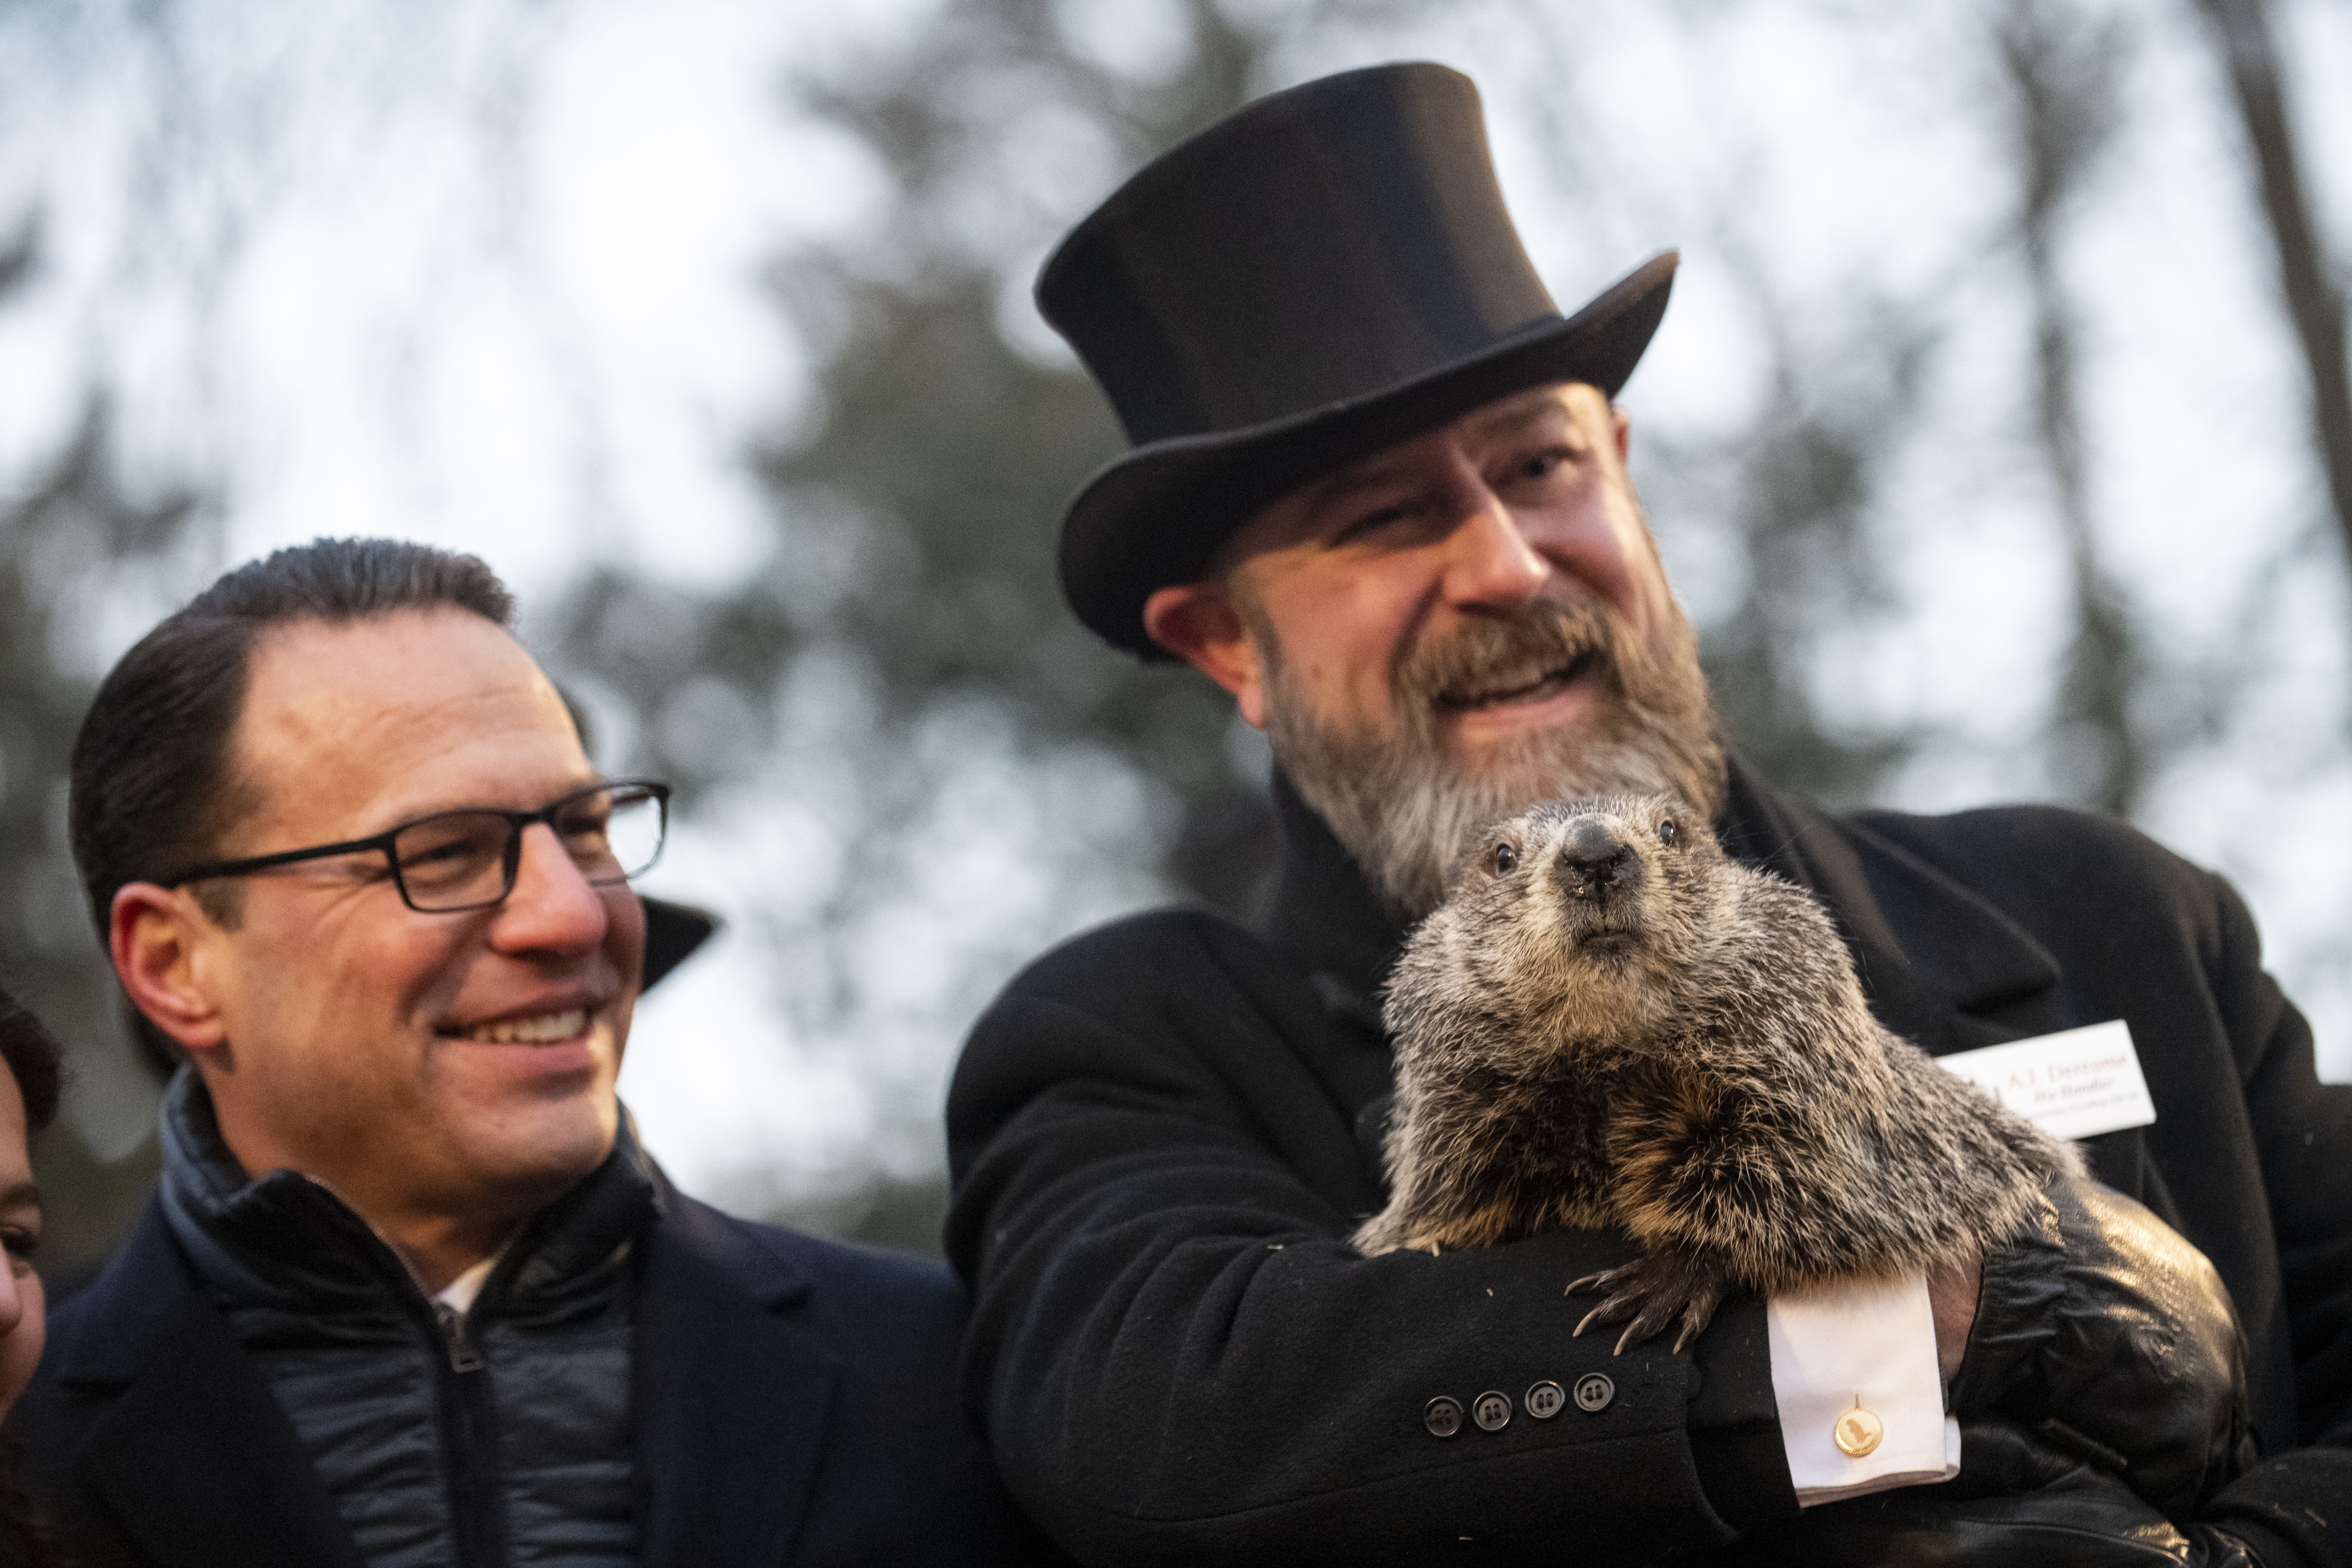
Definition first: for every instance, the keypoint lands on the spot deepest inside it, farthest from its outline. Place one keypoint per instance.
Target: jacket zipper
(477, 1522)
(469, 1438)
(463, 1357)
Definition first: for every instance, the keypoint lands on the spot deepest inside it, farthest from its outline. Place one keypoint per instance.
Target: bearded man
(1377, 492)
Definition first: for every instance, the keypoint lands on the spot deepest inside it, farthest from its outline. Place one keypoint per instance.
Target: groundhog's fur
(1610, 1023)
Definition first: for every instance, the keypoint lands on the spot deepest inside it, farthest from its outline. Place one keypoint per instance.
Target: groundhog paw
(1653, 1291)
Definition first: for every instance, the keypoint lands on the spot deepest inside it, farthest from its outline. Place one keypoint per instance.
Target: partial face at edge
(1457, 627)
(22, 1319)
(421, 1064)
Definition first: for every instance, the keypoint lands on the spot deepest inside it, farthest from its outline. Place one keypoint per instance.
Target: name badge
(2071, 1084)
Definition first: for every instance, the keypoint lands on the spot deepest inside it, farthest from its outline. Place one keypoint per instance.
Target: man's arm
(2296, 1504)
(1175, 1350)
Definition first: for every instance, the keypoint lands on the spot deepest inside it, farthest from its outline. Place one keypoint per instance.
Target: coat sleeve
(1176, 1355)
(2295, 1505)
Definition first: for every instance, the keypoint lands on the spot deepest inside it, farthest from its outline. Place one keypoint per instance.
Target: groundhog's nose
(1594, 863)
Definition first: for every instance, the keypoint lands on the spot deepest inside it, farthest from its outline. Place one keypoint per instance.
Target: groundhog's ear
(1197, 622)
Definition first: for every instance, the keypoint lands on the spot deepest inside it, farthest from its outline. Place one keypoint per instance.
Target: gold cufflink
(1857, 1431)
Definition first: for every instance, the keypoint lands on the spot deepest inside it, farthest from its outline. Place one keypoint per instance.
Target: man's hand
(1952, 1289)
(2103, 1332)
(2017, 1500)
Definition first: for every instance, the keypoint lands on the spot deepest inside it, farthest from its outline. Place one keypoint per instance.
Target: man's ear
(157, 936)
(1624, 432)
(1198, 624)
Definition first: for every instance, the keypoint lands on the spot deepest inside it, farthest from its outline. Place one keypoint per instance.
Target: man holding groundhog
(1377, 492)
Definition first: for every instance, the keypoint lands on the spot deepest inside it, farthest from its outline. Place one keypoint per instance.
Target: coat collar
(1934, 957)
(284, 1243)
(146, 1339)
(1324, 916)
(733, 1395)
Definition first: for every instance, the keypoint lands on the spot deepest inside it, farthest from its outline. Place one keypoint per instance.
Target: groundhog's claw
(1652, 1290)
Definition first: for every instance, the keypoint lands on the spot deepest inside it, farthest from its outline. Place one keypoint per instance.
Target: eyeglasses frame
(510, 864)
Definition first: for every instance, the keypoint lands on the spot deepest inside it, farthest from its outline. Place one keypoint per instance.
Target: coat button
(1857, 1432)
(1442, 1417)
(1546, 1400)
(1492, 1411)
(1594, 1392)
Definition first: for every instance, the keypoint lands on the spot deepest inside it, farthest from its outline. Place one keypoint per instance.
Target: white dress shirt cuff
(1850, 1357)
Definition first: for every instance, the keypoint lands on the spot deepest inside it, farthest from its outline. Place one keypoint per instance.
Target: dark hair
(33, 1058)
(154, 788)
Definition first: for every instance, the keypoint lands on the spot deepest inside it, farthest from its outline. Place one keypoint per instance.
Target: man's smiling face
(1460, 624)
(419, 1064)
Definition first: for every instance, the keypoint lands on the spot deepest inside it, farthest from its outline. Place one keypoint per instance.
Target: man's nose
(1489, 563)
(11, 1297)
(553, 904)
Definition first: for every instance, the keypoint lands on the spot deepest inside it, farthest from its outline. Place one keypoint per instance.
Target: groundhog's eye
(1666, 831)
(1506, 859)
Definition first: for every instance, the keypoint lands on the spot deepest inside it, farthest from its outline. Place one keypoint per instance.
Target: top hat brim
(1159, 514)
(674, 932)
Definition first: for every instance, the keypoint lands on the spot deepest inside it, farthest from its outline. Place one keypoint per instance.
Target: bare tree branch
(2062, 73)
(2242, 34)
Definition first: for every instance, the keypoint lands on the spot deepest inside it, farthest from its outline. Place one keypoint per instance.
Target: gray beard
(1405, 812)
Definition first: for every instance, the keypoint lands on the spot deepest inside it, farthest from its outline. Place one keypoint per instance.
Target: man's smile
(1510, 689)
(568, 1015)
(542, 1029)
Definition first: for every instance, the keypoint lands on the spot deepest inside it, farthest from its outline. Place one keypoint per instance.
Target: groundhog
(1611, 1023)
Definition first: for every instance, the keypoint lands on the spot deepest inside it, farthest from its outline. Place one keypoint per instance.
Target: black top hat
(1323, 273)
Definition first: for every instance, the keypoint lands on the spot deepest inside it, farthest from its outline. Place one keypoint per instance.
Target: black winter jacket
(1162, 1134)
(500, 1436)
(787, 1400)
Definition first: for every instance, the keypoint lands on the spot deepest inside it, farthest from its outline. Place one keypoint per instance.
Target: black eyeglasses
(458, 860)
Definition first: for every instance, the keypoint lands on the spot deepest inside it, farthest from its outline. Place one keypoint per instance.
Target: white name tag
(2071, 1084)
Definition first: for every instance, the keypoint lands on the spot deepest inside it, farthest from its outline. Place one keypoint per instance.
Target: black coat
(1162, 1134)
(792, 1403)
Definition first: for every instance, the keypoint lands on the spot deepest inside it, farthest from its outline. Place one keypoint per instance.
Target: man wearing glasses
(409, 1291)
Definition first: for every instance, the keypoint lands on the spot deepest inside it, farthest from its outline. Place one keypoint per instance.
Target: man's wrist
(1952, 1292)
(1854, 1375)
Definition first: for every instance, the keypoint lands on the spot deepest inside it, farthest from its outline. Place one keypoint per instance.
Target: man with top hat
(409, 1290)
(1377, 492)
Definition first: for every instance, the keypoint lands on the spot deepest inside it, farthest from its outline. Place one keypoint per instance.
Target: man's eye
(1544, 464)
(442, 853)
(1370, 523)
(20, 1244)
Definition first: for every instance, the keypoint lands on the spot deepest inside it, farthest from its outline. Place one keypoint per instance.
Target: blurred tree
(2242, 37)
(1800, 488)
(917, 508)
(2061, 64)
(72, 536)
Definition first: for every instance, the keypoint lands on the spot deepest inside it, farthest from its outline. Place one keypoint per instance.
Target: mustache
(1404, 810)
(1502, 657)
